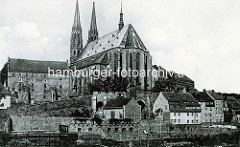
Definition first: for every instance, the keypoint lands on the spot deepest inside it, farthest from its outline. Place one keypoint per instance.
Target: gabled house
(177, 108)
(219, 106)
(125, 108)
(207, 106)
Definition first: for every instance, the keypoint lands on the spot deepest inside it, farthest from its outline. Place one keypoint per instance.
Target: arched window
(120, 61)
(115, 62)
(131, 64)
(138, 66)
(146, 68)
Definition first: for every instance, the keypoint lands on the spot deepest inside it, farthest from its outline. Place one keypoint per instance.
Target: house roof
(179, 101)
(203, 97)
(116, 103)
(215, 96)
(35, 66)
(3, 91)
(125, 38)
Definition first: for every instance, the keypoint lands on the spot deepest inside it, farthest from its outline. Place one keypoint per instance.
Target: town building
(34, 82)
(120, 50)
(219, 106)
(5, 98)
(122, 108)
(177, 108)
(207, 106)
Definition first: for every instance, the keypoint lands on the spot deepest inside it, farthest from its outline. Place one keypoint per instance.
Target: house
(177, 108)
(207, 106)
(5, 98)
(122, 108)
(219, 106)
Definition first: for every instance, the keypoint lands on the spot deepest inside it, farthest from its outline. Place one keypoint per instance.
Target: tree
(168, 84)
(116, 84)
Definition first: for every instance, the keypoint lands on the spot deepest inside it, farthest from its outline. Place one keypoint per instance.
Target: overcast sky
(200, 38)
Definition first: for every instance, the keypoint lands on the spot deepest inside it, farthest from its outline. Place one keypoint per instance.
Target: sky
(198, 38)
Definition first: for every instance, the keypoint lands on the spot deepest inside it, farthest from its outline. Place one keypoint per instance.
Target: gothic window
(138, 65)
(115, 62)
(74, 52)
(121, 61)
(110, 56)
(146, 68)
(131, 63)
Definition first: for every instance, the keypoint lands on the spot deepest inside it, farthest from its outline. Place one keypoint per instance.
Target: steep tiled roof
(214, 95)
(116, 103)
(125, 38)
(35, 66)
(202, 97)
(179, 101)
(100, 58)
(3, 91)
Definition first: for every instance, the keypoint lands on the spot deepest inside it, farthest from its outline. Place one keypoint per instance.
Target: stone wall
(19, 82)
(38, 123)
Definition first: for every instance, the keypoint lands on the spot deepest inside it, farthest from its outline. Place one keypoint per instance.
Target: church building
(121, 49)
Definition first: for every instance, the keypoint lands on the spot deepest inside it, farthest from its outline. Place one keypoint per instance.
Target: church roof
(125, 38)
(35, 66)
(100, 58)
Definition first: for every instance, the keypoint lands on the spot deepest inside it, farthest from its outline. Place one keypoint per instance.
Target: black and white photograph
(119, 73)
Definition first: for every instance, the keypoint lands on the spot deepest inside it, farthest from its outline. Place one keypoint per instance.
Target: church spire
(77, 17)
(93, 33)
(121, 23)
(76, 45)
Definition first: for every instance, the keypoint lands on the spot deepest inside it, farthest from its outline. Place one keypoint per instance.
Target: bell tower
(93, 32)
(76, 42)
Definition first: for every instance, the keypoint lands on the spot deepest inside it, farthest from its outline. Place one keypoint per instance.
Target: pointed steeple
(77, 16)
(121, 23)
(76, 45)
(93, 33)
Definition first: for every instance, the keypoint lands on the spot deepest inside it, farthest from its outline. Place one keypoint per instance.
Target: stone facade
(33, 84)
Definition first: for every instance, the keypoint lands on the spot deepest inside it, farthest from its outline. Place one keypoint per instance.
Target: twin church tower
(76, 45)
